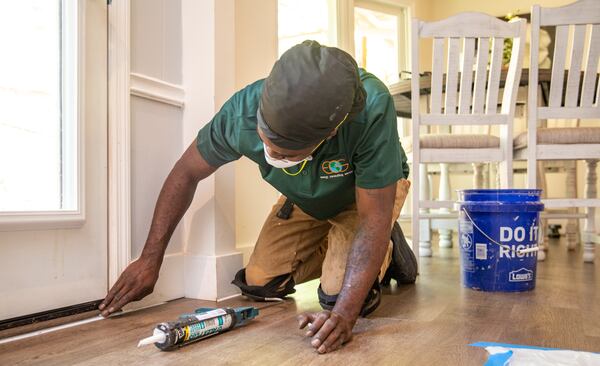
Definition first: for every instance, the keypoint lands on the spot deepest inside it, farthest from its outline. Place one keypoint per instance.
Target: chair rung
(433, 215)
(563, 215)
(571, 202)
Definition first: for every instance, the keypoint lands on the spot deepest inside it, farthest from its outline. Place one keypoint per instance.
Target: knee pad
(270, 290)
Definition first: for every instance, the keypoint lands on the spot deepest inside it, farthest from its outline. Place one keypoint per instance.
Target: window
(380, 39)
(38, 106)
(306, 19)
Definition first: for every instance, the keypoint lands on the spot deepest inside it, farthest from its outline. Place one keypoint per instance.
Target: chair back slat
(452, 75)
(591, 69)
(466, 76)
(491, 103)
(483, 56)
(511, 88)
(437, 75)
(558, 66)
(574, 77)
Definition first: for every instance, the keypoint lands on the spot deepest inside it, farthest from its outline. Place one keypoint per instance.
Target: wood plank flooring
(430, 323)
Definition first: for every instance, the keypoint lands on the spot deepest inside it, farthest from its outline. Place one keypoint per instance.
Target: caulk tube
(191, 328)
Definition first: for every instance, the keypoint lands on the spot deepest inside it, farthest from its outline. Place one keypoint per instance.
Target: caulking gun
(203, 323)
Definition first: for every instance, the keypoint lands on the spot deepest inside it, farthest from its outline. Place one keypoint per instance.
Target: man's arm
(331, 329)
(176, 195)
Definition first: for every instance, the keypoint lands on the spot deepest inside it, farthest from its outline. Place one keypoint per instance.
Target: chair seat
(561, 136)
(453, 141)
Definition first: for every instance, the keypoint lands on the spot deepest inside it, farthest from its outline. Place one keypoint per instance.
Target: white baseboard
(200, 280)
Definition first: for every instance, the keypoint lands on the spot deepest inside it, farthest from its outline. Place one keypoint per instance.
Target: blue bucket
(497, 230)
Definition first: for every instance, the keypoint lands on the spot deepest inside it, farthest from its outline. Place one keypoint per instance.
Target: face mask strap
(298, 172)
(313, 150)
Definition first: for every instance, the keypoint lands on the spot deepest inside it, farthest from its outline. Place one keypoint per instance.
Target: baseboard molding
(200, 280)
(147, 87)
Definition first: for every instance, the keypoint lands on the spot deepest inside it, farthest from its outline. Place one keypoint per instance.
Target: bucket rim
(498, 206)
(501, 191)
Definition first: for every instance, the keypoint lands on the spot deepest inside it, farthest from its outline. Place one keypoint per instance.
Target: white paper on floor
(517, 355)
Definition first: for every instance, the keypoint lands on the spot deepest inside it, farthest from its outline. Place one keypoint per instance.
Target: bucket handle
(519, 252)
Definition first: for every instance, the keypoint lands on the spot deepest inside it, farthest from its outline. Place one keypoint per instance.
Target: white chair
(567, 143)
(475, 103)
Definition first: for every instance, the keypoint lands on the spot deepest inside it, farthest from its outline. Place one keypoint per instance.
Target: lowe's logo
(520, 275)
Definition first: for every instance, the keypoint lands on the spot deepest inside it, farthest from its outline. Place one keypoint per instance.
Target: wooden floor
(430, 323)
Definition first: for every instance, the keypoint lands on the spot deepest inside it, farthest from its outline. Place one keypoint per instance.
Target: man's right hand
(136, 282)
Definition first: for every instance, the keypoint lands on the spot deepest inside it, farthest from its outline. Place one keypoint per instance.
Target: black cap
(310, 90)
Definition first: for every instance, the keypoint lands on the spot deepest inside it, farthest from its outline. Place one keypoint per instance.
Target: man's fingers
(304, 319)
(117, 299)
(317, 322)
(329, 343)
(111, 294)
(324, 332)
(122, 299)
(336, 345)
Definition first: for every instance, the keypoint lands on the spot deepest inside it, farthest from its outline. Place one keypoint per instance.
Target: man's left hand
(329, 330)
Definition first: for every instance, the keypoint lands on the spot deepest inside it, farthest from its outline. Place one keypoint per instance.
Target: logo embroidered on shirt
(335, 168)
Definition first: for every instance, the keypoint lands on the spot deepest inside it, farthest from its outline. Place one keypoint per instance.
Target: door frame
(119, 139)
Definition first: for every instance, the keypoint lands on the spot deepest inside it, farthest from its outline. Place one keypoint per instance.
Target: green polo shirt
(364, 153)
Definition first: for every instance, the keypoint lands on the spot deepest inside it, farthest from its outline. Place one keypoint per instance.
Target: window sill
(41, 220)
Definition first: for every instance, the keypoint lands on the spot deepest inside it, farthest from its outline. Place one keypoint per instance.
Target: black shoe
(403, 268)
(371, 302)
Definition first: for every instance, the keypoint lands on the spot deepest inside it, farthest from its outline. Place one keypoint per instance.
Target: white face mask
(282, 163)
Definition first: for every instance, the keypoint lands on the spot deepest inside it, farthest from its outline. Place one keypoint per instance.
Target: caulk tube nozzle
(158, 337)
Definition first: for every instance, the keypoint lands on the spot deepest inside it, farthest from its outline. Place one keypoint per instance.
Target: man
(324, 134)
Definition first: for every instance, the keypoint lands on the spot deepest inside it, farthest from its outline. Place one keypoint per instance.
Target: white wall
(255, 53)
(156, 39)
(442, 8)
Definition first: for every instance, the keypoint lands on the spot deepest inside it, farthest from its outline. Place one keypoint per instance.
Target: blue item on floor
(503, 354)
(498, 235)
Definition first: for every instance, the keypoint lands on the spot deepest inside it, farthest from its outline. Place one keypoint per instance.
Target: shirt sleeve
(379, 159)
(218, 141)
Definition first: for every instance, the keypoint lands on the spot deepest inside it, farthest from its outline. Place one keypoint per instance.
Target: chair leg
(590, 225)
(478, 175)
(572, 229)
(497, 175)
(444, 194)
(424, 236)
(541, 183)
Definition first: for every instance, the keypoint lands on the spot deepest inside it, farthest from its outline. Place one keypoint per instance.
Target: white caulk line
(52, 329)
(70, 325)
(228, 297)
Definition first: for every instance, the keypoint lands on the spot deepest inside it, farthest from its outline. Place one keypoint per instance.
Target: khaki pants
(308, 248)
